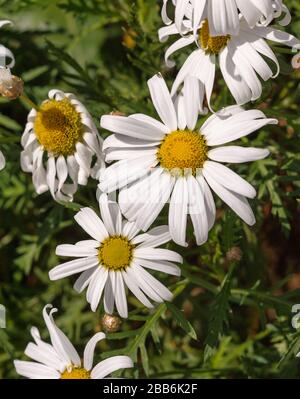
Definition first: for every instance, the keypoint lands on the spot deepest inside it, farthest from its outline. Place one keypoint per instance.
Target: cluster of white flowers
(153, 162)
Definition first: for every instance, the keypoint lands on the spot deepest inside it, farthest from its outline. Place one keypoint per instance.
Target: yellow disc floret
(76, 373)
(115, 253)
(183, 150)
(211, 45)
(58, 127)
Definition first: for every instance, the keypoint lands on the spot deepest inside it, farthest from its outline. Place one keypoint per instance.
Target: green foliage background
(229, 319)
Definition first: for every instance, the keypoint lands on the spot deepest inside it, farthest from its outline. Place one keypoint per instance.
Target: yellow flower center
(183, 150)
(211, 45)
(115, 253)
(58, 127)
(76, 373)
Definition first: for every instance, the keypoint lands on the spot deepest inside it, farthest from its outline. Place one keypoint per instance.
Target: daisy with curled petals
(242, 57)
(62, 147)
(117, 257)
(223, 15)
(60, 360)
(158, 161)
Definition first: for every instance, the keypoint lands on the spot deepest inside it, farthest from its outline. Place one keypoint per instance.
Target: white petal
(132, 284)
(191, 101)
(111, 215)
(109, 299)
(120, 295)
(91, 223)
(110, 365)
(62, 171)
(45, 354)
(197, 210)
(2, 161)
(73, 267)
(153, 238)
(35, 370)
(227, 178)
(84, 279)
(96, 287)
(131, 127)
(237, 154)
(163, 292)
(125, 172)
(209, 202)
(60, 342)
(75, 251)
(161, 266)
(50, 174)
(235, 201)
(162, 101)
(179, 44)
(88, 356)
(235, 127)
(135, 273)
(178, 212)
(118, 141)
(157, 254)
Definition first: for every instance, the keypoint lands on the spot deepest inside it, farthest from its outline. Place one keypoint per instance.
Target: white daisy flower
(60, 141)
(174, 160)
(241, 57)
(60, 360)
(223, 15)
(116, 257)
(5, 52)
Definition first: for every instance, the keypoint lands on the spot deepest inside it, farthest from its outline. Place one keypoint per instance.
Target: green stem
(28, 101)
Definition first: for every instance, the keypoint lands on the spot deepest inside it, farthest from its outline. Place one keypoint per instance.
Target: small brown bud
(117, 113)
(282, 122)
(111, 323)
(11, 86)
(234, 254)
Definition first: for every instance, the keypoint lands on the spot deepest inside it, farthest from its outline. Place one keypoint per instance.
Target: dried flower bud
(11, 86)
(234, 254)
(296, 61)
(111, 323)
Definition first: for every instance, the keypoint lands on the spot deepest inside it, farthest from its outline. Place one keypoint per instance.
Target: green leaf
(183, 323)
(218, 314)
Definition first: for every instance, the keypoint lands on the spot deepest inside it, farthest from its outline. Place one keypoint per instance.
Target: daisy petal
(162, 101)
(72, 267)
(91, 223)
(237, 154)
(236, 202)
(110, 365)
(120, 295)
(161, 266)
(132, 284)
(178, 212)
(75, 251)
(88, 356)
(157, 254)
(227, 178)
(131, 127)
(35, 370)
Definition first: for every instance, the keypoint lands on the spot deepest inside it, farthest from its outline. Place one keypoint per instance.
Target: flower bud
(11, 86)
(111, 323)
(234, 254)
